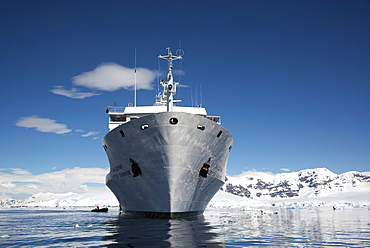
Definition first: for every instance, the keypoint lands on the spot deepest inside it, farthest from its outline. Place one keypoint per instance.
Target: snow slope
(306, 188)
(310, 183)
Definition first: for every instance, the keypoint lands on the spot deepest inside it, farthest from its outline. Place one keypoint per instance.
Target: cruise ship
(166, 160)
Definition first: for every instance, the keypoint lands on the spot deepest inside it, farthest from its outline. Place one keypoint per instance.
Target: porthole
(122, 133)
(143, 127)
(219, 134)
(174, 121)
(200, 127)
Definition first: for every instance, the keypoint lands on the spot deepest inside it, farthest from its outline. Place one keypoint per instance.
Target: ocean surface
(316, 227)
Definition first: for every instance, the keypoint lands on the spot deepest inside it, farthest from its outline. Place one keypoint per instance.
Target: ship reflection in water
(126, 231)
(220, 227)
(316, 227)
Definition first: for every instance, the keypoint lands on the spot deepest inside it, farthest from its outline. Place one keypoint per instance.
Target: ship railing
(214, 118)
(114, 109)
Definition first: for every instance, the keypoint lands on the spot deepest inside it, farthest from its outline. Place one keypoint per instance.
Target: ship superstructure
(166, 161)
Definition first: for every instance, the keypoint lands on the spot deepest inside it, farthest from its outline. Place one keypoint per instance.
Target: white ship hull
(170, 155)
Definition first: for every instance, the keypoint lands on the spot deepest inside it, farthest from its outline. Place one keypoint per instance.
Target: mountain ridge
(305, 183)
(313, 187)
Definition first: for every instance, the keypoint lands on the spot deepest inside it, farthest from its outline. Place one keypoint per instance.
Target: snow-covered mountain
(97, 197)
(309, 183)
(306, 188)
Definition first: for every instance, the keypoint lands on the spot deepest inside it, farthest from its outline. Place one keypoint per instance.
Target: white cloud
(44, 125)
(284, 169)
(20, 171)
(72, 93)
(47, 125)
(178, 72)
(15, 184)
(112, 77)
(8, 185)
(254, 172)
(89, 134)
(183, 86)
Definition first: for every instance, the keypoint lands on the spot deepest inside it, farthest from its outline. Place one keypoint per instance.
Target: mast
(169, 86)
(135, 82)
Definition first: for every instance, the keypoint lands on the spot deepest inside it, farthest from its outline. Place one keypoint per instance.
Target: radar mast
(169, 86)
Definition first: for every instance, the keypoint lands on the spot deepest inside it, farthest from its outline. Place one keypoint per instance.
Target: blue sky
(290, 79)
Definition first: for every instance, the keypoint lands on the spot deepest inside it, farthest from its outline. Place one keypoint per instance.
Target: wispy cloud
(15, 182)
(178, 72)
(112, 77)
(254, 172)
(284, 169)
(89, 134)
(183, 86)
(72, 93)
(44, 125)
(18, 171)
(47, 125)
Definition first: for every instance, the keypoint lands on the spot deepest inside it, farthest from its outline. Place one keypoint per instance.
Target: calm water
(320, 227)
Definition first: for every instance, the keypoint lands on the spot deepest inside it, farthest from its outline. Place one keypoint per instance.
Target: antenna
(191, 96)
(158, 74)
(201, 95)
(135, 82)
(180, 52)
(196, 94)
